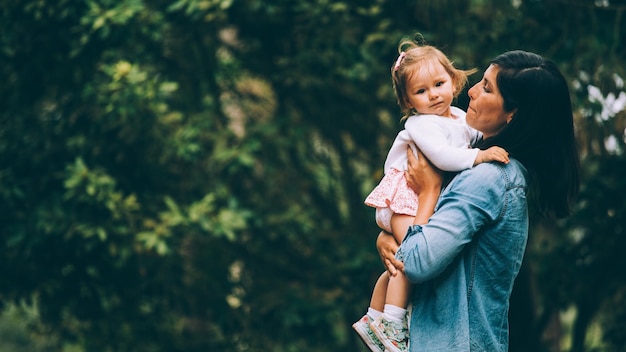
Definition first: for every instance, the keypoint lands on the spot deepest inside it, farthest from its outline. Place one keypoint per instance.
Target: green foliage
(189, 175)
(15, 336)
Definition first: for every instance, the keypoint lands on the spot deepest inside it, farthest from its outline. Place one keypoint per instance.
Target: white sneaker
(362, 328)
(393, 335)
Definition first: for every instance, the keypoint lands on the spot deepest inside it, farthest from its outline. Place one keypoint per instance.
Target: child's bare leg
(374, 311)
(399, 287)
(400, 225)
(391, 327)
(398, 291)
(380, 292)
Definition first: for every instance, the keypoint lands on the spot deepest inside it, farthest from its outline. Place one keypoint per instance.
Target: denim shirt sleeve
(473, 199)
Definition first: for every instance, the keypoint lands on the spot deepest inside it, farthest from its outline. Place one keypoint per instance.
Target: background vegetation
(189, 175)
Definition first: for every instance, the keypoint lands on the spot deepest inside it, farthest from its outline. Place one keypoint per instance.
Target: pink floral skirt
(394, 193)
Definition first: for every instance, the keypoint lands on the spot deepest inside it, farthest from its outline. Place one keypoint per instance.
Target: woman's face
(486, 112)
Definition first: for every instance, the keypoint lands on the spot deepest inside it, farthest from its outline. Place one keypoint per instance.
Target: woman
(468, 240)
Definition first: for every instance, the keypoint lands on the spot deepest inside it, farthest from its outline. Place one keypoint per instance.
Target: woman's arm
(426, 181)
(473, 199)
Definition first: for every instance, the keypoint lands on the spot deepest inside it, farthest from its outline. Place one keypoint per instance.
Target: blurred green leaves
(189, 175)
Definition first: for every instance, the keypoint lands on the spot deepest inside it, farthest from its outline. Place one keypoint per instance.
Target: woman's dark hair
(541, 132)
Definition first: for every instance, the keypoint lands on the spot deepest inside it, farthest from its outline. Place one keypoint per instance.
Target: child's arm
(494, 153)
(431, 138)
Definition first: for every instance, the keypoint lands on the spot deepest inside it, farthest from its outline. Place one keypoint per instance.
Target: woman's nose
(471, 91)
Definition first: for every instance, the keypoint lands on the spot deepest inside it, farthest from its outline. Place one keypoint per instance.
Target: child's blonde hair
(414, 55)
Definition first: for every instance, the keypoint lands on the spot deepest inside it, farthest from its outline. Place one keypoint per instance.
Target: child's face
(430, 90)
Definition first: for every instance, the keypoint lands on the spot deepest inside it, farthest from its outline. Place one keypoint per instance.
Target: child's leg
(400, 225)
(380, 292)
(375, 311)
(399, 287)
(391, 328)
(398, 291)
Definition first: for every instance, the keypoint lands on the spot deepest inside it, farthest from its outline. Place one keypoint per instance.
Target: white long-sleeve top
(445, 141)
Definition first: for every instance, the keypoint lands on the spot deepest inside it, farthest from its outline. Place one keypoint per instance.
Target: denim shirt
(465, 260)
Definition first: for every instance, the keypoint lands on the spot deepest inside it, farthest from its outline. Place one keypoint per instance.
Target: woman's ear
(510, 116)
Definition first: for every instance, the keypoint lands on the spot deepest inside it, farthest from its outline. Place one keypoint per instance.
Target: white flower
(595, 95)
(619, 82)
(610, 144)
(611, 105)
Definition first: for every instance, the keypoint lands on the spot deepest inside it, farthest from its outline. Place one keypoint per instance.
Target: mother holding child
(454, 258)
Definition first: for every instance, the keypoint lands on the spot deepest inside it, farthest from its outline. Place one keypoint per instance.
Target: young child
(425, 83)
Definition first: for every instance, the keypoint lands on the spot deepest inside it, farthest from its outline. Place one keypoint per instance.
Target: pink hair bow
(397, 65)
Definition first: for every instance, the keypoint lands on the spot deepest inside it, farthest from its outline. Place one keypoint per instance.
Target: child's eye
(439, 84)
(421, 91)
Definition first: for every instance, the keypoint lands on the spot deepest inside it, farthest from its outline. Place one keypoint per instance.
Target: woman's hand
(387, 248)
(426, 181)
(421, 175)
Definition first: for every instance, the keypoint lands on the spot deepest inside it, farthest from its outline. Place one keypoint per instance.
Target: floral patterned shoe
(393, 335)
(362, 328)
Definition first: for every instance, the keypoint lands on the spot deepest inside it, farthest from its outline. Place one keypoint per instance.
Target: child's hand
(492, 154)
